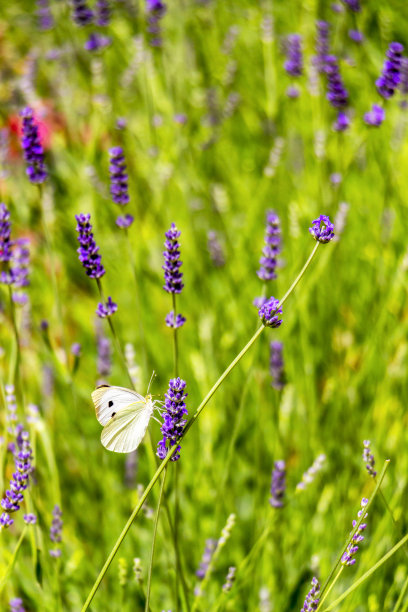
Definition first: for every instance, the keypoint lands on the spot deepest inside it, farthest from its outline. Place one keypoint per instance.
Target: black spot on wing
(110, 404)
(102, 386)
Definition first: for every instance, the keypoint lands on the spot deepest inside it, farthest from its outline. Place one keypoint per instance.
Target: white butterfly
(125, 416)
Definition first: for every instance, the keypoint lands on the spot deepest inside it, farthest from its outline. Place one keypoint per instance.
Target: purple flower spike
(352, 548)
(210, 546)
(106, 310)
(45, 18)
(391, 74)
(375, 116)
(102, 13)
(16, 605)
(96, 42)
(119, 178)
(76, 349)
(172, 275)
(88, 251)
(56, 530)
(32, 147)
(353, 5)
(272, 248)
(368, 458)
(294, 62)
(18, 484)
(322, 45)
(276, 365)
(175, 323)
(155, 12)
(30, 519)
(342, 122)
(312, 598)
(269, 313)
(356, 36)
(173, 419)
(322, 229)
(81, 13)
(124, 221)
(278, 485)
(337, 94)
(293, 92)
(5, 231)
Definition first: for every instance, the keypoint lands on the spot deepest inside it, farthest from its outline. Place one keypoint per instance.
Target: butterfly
(124, 415)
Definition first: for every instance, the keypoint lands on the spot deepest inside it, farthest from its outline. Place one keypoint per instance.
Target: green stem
(169, 455)
(325, 591)
(367, 574)
(175, 343)
(401, 596)
(137, 298)
(115, 337)
(12, 560)
(15, 374)
(156, 523)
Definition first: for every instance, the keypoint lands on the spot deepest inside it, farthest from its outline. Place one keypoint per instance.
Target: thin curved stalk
(156, 523)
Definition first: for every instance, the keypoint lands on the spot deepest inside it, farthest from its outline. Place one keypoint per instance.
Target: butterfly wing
(110, 400)
(125, 431)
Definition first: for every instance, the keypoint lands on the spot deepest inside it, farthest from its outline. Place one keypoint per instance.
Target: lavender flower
(404, 76)
(119, 178)
(342, 122)
(352, 548)
(45, 18)
(353, 5)
(356, 36)
(375, 116)
(5, 231)
(155, 12)
(173, 420)
(215, 249)
(210, 546)
(19, 271)
(76, 349)
(312, 598)
(230, 579)
(81, 13)
(311, 472)
(104, 363)
(368, 458)
(272, 248)
(337, 93)
(96, 42)
(88, 251)
(102, 13)
(276, 365)
(294, 62)
(336, 178)
(269, 313)
(56, 530)
(292, 92)
(172, 263)
(322, 229)
(107, 309)
(23, 462)
(16, 605)
(124, 221)
(32, 148)
(175, 323)
(322, 45)
(391, 74)
(278, 485)
(30, 518)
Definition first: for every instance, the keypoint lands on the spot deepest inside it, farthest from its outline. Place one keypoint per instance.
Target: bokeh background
(212, 142)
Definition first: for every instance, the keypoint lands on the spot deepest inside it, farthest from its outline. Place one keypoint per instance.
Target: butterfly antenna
(151, 378)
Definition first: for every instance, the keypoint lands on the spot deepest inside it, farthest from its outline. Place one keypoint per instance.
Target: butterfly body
(125, 416)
